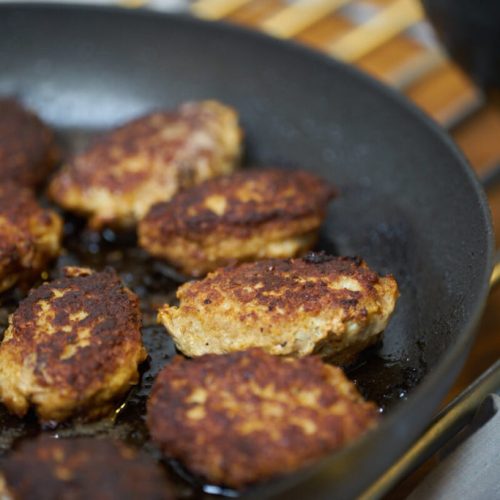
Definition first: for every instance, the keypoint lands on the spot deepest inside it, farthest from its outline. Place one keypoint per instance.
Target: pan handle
(489, 180)
(457, 414)
(451, 420)
(495, 274)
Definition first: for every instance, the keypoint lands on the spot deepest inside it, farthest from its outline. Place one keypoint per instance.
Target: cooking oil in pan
(384, 381)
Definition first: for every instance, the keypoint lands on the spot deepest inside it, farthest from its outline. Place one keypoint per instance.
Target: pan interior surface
(409, 205)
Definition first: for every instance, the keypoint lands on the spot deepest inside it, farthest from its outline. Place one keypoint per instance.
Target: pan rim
(456, 354)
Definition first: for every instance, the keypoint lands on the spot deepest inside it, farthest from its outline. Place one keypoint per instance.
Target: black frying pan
(410, 204)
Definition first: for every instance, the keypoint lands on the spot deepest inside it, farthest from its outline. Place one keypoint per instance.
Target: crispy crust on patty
(245, 417)
(72, 347)
(27, 147)
(332, 306)
(253, 214)
(82, 469)
(148, 160)
(30, 236)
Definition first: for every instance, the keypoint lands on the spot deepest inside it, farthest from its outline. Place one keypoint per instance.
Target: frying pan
(409, 203)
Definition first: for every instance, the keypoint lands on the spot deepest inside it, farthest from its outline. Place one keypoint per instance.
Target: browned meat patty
(332, 306)
(148, 160)
(245, 417)
(27, 147)
(81, 469)
(72, 348)
(250, 215)
(30, 236)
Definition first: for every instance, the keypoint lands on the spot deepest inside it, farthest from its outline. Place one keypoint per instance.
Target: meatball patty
(244, 417)
(72, 347)
(27, 146)
(80, 469)
(148, 160)
(253, 214)
(332, 306)
(30, 236)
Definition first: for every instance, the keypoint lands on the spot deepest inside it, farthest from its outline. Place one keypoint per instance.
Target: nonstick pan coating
(409, 203)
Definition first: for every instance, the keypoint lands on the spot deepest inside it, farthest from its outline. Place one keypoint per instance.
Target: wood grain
(379, 29)
(299, 15)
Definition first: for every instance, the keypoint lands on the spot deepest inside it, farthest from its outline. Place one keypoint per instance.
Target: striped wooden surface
(391, 40)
